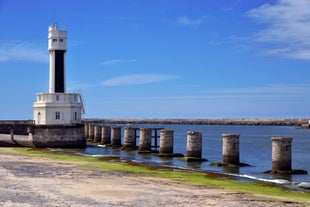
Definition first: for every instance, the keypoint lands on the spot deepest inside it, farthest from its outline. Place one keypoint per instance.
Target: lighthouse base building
(57, 108)
(57, 118)
(57, 115)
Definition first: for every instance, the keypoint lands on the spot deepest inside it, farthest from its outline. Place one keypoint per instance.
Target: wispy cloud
(22, 51)
(186, 21)
(270, 93)
(286, 27)
(137, 79)
(117, 62)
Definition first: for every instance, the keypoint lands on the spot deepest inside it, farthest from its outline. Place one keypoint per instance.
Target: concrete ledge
(6, 140)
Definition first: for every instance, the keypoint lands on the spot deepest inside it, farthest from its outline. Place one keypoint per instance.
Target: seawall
(17, 133)
(219, 121)
(63, 136)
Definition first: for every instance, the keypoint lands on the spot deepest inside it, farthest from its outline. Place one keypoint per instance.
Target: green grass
(207, 180)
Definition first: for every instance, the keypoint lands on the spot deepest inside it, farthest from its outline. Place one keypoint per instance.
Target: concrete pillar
(86, 130)
(106, 135)
(231, 149)
(166, 141)
(12, 132)
(97, 133)
(30, 129)
(194, 144)
(129, 138)
(281, 153)
(91, 131)
(116, 136)
(145, 143)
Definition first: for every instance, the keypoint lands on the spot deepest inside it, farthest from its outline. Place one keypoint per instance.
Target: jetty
(205, 121)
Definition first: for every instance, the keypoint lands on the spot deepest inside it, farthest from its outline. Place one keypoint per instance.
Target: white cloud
(185, 21)
(269, 93)
(22, 51)
(286, 28)
(117, 62)
(137, 79)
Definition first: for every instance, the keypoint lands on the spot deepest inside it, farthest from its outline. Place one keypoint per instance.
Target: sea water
(255, 150)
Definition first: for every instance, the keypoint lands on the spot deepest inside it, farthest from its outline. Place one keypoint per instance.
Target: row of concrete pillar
(103, 134)
(281, 146)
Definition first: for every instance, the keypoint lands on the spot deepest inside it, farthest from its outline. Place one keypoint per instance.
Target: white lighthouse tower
(57, 47)
(57, 107)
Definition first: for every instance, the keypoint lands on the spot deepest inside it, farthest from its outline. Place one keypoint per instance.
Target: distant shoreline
(215, 121)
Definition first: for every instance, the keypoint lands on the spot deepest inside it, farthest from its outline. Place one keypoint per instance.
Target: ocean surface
(255, 150)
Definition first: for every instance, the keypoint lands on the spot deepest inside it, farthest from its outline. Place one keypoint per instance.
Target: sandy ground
(42, 182)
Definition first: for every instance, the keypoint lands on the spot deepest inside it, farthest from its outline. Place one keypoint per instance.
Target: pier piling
(106, 135)
(91, 132)
(231, 149)
(129, 138)
(166, 141)
(86, 131)
(194, 144)
(97, 133)
(116, 136)
(145, 143)
(281, 153)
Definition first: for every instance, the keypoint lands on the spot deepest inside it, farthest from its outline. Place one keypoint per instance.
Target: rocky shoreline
(219, 121)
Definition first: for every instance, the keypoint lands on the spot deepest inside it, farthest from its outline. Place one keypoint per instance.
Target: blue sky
(163, 58)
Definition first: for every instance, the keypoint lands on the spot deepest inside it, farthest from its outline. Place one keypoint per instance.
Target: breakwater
(217, 121)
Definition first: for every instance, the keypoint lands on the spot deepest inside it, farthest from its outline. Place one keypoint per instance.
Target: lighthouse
(57, 114)
(57, 107)
(57, 47)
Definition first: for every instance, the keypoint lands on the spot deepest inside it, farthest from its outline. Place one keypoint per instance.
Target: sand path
(42, 182)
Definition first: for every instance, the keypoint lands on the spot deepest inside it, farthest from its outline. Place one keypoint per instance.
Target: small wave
(277, 181)
(98, 155)
(304, 185)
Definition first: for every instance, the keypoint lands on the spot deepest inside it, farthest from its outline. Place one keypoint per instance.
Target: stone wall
(62, 136)
(6, 140)
(20, 126)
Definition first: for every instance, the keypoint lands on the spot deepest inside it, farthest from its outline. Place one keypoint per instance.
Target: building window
(75, 115)
(54, 40)
(61, 40)
(57, 98)
(57, 115)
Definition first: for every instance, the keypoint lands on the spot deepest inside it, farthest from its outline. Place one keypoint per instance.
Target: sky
(161, 58)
